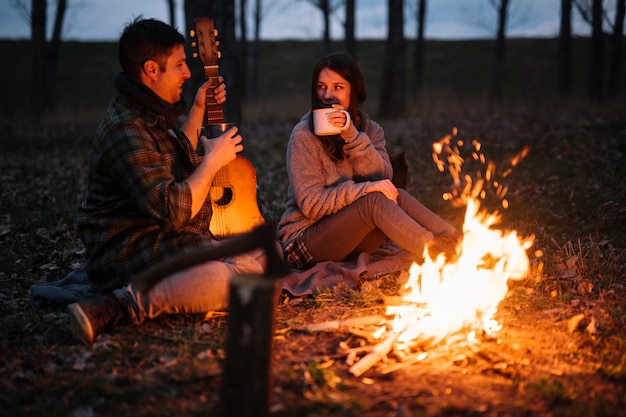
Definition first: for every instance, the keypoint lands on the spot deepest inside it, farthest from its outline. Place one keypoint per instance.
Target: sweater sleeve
(368, 155)
(317, 186)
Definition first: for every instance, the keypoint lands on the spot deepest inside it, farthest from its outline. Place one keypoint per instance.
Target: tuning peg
(192, 33)
(214, 32)
(219, 54)
(195, 55)
(217, 43)
(194, 44)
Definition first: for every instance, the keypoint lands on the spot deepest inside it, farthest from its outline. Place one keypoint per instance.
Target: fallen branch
(336, 324)
(380, 351)
(416, 357)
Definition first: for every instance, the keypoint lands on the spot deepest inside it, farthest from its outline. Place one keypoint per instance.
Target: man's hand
(219, 92)
(224, 148)
(197, 112)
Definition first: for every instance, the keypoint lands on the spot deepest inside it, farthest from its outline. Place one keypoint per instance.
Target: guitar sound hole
(225, 198)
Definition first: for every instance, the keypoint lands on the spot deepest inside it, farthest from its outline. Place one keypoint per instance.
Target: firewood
(336, 324)
(380, 351)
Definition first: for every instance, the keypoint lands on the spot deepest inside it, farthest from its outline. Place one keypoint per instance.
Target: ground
(539, 364)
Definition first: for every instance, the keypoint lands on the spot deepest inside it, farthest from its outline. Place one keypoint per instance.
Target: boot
(93, 316)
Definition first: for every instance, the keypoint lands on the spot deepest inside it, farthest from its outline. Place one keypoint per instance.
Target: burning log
(336, 324)
(380, 351)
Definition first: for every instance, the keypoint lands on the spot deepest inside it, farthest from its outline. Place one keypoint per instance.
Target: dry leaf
(569, 273)
(571, 262)
(593, 326)
(574, 322)
(585, 287)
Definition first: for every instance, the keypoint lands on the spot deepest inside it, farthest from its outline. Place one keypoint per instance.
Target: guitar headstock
(205, 36)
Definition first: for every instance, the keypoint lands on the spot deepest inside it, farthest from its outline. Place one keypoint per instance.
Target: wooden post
(247, 383)
(253, 298)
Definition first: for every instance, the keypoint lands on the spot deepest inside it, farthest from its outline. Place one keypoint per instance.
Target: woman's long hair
(348, 68)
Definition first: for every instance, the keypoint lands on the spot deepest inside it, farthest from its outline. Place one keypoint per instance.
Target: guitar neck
(214, 110)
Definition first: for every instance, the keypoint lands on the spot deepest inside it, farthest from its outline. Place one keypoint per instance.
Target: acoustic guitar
(233, 191)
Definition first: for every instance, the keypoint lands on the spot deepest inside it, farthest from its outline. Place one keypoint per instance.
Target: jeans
(365, 224)
(199, 289)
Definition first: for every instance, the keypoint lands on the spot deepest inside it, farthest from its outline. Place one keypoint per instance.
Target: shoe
(93, 316)
(445, 244)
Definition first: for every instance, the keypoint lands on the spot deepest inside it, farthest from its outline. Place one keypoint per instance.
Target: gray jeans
(365, 224)
(199, 289)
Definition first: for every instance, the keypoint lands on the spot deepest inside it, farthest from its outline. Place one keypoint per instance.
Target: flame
(443, 296)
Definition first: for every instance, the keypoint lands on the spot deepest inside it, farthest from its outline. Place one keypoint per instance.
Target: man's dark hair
(146, 39)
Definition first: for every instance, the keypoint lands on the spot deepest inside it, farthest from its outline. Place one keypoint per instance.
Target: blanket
(387, 259)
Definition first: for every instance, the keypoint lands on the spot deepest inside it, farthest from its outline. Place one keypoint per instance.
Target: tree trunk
(52, 55)
(244, 48)
(256, 52)
(171, 8)
(596, 80)
(615, 63)
(350, 40)
(38, 98)
(325, 8)
(565, 49)
(392, 96)
(497, 85)
(223, 14)
(418, 56)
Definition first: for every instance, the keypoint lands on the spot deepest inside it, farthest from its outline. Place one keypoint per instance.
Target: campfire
(451, 300)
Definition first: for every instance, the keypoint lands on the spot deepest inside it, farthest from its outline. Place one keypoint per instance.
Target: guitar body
(233, 200)
(233, 191)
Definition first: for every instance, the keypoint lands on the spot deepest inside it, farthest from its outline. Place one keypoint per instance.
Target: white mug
(321, 125)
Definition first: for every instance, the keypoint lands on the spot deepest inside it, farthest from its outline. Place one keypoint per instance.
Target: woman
(341, 200)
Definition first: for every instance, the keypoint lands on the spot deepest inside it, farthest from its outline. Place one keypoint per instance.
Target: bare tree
(256, 51)
(223, 14)
(594, 13)
(327, 7)
(596, 75)
(497, 81)
(392, 97)
(171, 8)
(350, 40)
(615, 63)
(45, 53)
(565, 49)
(418, 54)
(261, 9)
(243, 42)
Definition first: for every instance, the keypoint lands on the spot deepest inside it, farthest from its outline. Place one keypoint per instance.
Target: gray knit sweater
(318, 185)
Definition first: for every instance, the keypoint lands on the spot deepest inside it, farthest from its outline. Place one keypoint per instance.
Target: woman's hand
(338, 118)
(383, 186)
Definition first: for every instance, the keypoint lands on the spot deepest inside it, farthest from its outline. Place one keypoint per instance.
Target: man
(148, 190)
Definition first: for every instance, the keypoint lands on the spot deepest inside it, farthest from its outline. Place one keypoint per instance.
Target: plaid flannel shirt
(137, 212)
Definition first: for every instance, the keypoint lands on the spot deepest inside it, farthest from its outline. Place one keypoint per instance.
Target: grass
(568, 192)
